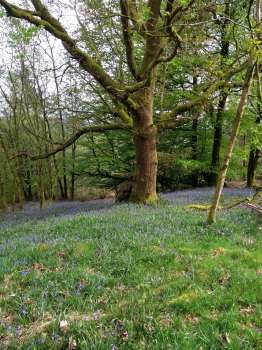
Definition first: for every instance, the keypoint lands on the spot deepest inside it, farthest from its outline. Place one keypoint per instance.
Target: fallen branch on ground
(249, 202)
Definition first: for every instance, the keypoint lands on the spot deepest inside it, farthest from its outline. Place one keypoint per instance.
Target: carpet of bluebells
(32, 212)
(103, 276)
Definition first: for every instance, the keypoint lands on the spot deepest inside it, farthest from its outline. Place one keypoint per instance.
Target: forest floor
(32, 212)
(132, 277)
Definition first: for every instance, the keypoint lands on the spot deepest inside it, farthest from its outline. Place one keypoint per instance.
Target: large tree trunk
(233, 136)
(144, 190)
(145, 140)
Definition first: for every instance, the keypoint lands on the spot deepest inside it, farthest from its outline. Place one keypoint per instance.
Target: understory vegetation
(97, 282)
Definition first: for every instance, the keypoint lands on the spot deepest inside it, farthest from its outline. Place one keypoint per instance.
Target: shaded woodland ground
(32, 211)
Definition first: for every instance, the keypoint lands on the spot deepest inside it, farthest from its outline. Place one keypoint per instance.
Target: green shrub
(176, 173)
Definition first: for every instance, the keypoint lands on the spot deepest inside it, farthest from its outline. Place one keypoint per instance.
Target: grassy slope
(133, 278)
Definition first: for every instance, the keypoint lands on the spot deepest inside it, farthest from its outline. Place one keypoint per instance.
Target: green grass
(133, 278)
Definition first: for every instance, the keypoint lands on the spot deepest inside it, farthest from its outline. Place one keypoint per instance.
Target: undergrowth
(132, 278)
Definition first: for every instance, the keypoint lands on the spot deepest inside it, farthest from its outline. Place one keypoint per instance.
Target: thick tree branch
(173, 34)
(153, 44)
(207, 91)
(176, 123)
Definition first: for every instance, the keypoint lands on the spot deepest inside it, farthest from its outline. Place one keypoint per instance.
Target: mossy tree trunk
(144, 131)
(145, 140)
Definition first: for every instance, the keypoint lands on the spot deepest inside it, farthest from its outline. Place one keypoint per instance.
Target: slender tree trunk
(194, 144)
(73, 186)
(64, 176)
(252, 166)
(254, 154)
(234, 133)
(145, 140)
(59, 180)
(49, 170)
(2, 192)
(61, 119)
(21, 198)
(194, 138)
(73, 171)
(28, 185)
(218, 133)
(243, 162)
(218, 128)
(41, 191)
(20, 185)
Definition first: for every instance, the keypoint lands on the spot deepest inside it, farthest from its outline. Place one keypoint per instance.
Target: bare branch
(73, 139)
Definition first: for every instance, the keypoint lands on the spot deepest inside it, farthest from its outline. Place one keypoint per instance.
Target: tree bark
(145, 140)
(234, 133)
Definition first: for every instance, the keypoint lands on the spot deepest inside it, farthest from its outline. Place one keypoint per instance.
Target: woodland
(151, 110)
(95, 94)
